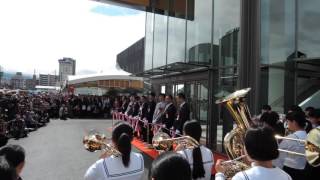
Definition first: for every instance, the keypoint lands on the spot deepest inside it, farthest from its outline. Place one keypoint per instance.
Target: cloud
(36, 33)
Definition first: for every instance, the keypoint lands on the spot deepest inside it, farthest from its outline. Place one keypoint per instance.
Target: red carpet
(142, 147)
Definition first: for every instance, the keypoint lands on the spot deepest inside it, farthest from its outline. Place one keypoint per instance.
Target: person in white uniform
(170, 166)
(200, 158)
(128, 166)
(293, 164)
(261, 148)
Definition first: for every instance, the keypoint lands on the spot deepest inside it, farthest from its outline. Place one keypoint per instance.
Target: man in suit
(151, 109)
(183, 113)
(143, 113)
(169, 114)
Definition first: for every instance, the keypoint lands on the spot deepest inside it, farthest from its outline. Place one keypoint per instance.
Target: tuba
(95, 141)
(234, 140)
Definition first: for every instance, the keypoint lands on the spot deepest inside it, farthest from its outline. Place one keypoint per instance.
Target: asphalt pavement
(56, 152)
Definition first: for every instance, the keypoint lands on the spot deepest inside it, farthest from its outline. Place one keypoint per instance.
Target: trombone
(312, 147)
(162, 141)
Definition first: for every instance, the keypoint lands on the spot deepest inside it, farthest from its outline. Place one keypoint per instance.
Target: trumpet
(95, 141)
(312, 147)
(162, 141)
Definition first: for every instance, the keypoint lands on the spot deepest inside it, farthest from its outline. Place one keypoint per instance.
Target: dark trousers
(296, 174)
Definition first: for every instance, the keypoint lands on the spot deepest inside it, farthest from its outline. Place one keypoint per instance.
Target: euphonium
(162, 141)
(95, 141)
(234, 140)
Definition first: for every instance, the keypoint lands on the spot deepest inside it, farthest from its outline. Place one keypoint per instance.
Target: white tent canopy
(116, 75)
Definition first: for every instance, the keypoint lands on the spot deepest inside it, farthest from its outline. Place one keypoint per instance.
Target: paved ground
(55, 152)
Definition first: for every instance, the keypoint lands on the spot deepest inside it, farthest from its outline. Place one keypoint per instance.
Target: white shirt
(258, 173)
(113, 168)
(291, 160)
(207, 159)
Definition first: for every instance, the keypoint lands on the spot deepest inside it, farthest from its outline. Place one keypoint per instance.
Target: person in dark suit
(143, 112)
(151, 108)
(136, 106)
(169, 114)
(183, 113)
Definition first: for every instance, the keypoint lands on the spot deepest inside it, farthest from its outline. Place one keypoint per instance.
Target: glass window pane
(199, 23)
(309, 27)
(226, 32)
(148, 41)
(177, 32)
(277, 30)
(160, 40)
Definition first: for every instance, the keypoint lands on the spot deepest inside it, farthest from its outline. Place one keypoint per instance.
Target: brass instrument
(312, 146)
(162, 141)
(95, 141)
(234, 140)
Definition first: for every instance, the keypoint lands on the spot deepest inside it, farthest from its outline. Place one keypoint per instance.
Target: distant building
(67, 66)
(17, 81)
(31, 83)
(48, 80)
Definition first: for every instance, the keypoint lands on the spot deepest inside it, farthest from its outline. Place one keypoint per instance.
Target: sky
(34, 34)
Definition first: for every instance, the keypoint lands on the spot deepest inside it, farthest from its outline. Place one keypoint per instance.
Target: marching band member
(128, 166)
(183, 113)
(200, 158)
(168, 115)
(293, 164)
(170, 166)
(314, 117)
(261, 148)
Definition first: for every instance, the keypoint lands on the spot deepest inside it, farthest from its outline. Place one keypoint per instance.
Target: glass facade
(181, 32)
(288, 40)
(207, 32)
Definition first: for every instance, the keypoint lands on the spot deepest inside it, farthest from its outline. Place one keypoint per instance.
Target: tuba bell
(234, 140)
(95, 141)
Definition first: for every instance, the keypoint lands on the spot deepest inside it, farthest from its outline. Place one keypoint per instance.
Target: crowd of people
(145, 116)
(21, 114)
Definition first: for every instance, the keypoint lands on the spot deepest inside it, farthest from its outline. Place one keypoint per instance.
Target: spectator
(315, 117)
(169, 114)
(183, 113)
(272, 121)
(15, 155)
(266, 108)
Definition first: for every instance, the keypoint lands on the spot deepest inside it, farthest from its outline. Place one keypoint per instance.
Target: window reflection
(308, 27)
(148, 41)
(277, 30)
(199, 31)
